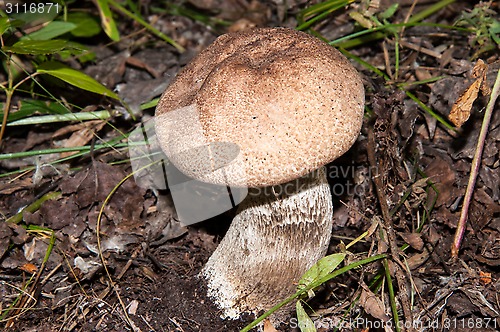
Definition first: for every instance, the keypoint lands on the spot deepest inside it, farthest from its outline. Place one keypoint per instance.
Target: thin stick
(476, 164)
(391, 237)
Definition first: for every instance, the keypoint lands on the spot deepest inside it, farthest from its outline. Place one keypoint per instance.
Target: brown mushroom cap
(260, 107)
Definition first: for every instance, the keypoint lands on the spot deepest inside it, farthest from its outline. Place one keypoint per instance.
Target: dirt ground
(152, 261)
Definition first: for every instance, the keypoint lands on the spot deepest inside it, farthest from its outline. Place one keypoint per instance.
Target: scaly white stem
(279, 232)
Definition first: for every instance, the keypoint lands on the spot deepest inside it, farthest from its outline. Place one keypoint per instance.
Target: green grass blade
(392, 297)
(369, 35)
(18, 217)
(87, 148)
(364, 64)
(321, 11)
(107, 21)
(429, 110)
(428, 11)
(4, 25)
(75, 78)
(30, 107)
(32, 17)
(323, 267)
(380, 73)
(148, 26)
(86, 25)
(83, 116)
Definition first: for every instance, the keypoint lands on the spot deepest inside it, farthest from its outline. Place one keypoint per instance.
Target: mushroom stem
(279, 232)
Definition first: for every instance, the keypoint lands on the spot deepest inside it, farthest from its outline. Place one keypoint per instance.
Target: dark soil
(152, 261)
(171, 297)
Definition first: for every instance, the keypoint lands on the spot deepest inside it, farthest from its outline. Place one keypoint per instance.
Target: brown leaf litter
(460, 112)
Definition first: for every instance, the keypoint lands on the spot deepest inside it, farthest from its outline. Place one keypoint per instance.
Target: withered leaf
(5, 234)
(485, 277)
(8, 188)
(460, 112)
(29, 268)
(417, 260)
(373, 305)
(268, 326)
(82, 134)
(479, 69)
(413, 239)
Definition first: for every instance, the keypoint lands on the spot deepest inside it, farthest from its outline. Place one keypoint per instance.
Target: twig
(476, 164)
(32, 292)
(129, 263)
(391, 235)
(407, 17)
(86, 311)
(101, 256)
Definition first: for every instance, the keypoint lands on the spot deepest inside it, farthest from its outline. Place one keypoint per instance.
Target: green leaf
(37, 47)
(81, 116)
(43, 107)
(73, 48)
(319, 270)
(75, 78)
(86, 25)
(4, 24)
(107, 21)
(86, 57)
(494, 31)
(362, 20)
(389, 12)
(305, 322)
(150, 104)
(50, 31)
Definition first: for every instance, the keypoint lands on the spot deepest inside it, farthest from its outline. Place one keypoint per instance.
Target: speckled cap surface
(260, 107)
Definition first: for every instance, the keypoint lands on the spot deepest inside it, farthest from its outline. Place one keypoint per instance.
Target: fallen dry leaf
(241, 24)
(373, 305)
(268, 326)
(29, 268)
(485, 277)
(476, 296)
(440, 171)
(417, 260)
(83, 135)
(132, 309)
(460, 112)
(414, 240)
(10, 187)
(142, 65)
(5, 234)
(479, 71)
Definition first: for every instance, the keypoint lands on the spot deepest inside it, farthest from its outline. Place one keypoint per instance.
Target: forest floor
(149, 280)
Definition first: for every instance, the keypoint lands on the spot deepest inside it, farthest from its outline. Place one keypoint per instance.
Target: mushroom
(265, 109)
